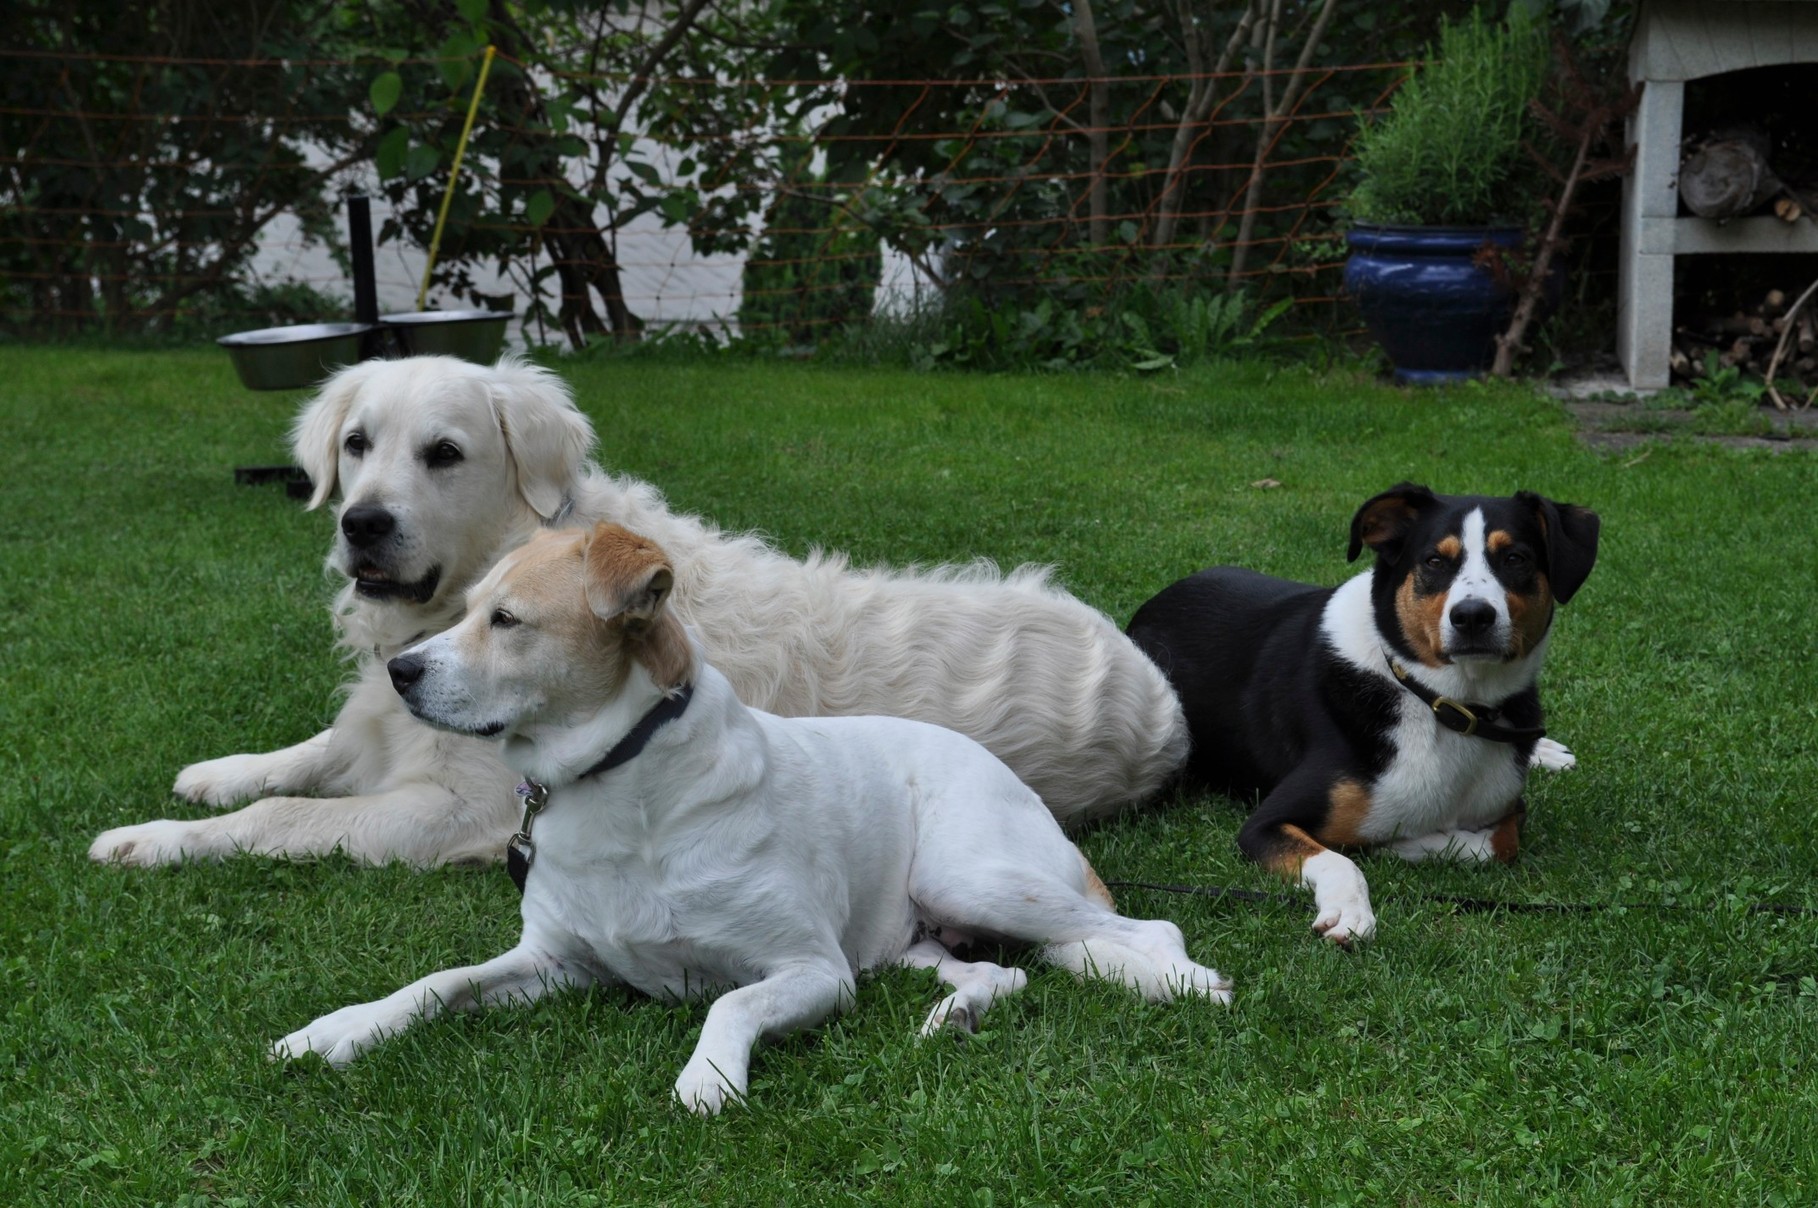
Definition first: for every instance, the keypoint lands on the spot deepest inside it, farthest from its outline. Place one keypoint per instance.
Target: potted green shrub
(1440, 176)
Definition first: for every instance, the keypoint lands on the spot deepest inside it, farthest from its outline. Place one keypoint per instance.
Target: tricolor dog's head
(1471, 578)
(551, 637)
(438, 463)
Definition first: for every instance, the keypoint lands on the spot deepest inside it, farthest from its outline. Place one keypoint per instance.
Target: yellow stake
(454, 173)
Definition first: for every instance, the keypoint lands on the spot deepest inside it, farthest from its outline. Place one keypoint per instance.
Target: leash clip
(519, 850)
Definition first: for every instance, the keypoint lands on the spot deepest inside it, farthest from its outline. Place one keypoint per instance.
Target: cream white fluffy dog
(686, 844)
(443, 466)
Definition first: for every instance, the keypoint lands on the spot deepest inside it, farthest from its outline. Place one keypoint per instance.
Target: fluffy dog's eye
(355, 444)
(443, 453)
(502, 619)
(1436, 562)
(1514, 559)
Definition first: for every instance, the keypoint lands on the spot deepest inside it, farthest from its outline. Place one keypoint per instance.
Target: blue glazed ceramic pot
(1435, 312)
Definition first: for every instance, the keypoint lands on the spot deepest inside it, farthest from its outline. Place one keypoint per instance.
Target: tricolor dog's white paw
(223, 782)
(1553, 756)
(165, 841)
(703, 1090)
(1347, 920)
(337, 1038)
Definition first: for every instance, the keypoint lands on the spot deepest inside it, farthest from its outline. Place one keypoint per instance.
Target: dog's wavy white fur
(1042, 680)
(771, 858)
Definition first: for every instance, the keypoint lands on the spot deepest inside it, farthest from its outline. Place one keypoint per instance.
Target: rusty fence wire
(145, 192)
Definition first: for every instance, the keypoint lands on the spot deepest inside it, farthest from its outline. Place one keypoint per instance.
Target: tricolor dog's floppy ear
(548, 436)
(1571, 535)
(1383, 522)
(627, 577)
(315, 437)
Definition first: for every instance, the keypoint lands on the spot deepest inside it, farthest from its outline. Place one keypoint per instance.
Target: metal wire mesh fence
(146, 192)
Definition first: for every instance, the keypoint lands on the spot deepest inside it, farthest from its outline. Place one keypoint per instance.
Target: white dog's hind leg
(975, 984)
(522, 974)
(1553, 756)
(1148, 955)
(1075, 932)
(420, 824)
(789, 1000)
(236, 778)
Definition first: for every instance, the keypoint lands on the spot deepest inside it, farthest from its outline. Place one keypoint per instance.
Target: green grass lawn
(152, 614)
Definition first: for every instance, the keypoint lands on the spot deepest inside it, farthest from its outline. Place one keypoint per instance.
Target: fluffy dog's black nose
(363, 524)
(405, 670)
(1473, 618)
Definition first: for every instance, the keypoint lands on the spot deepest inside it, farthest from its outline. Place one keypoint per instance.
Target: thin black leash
(1463, 905)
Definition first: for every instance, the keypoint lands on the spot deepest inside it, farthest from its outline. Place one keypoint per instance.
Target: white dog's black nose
(405, 670)
(365, 523)
(1473, 618)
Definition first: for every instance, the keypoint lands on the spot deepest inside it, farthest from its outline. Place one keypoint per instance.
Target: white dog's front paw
(337, 1038)
(1346, 919)
(222, 782)
(1553, 756)
(703, 1090)
(166, 841)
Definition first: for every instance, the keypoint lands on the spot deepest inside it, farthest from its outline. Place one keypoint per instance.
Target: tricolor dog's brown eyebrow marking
(1451, 547)
(1499, 540)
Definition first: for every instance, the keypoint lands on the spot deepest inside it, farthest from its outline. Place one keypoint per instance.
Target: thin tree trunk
(1274, 116)
(1200, 95)
(1098, 120)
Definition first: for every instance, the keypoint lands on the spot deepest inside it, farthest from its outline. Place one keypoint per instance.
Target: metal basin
(293, 358)
(472, 335)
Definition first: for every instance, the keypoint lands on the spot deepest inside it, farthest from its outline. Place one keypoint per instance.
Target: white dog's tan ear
(315, 437)
(627, 577)
(548, 436)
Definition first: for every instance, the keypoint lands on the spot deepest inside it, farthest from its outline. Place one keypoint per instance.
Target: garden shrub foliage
(1450, 149)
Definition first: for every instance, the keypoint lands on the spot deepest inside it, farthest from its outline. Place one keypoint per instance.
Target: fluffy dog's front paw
(703, 1090)
(222, 782)
(1347, 920)
(149, 843)
(1553, 756)
(337, 1038)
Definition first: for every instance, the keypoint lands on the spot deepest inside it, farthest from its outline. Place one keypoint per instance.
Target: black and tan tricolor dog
(1398, 710)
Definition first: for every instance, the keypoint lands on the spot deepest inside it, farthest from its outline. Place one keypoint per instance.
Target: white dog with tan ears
(683, 843)
(442, 466)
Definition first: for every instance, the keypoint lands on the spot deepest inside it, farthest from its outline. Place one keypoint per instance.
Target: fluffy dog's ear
(1571, 533)
(1384, 521)
(548, 436)
(627, 577)
(315, 437)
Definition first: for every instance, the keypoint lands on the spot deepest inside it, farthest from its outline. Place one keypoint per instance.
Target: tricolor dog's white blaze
(778, 857)
(1475, 581)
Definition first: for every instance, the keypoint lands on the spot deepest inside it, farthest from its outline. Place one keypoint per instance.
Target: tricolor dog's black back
(1399, 709)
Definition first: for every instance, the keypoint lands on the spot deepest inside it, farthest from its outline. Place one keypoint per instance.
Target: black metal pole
(359, 246)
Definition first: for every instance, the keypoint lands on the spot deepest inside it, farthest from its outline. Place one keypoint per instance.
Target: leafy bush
(1450, 149)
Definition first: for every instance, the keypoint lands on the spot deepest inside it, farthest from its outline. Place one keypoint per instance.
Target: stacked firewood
(1747, 340)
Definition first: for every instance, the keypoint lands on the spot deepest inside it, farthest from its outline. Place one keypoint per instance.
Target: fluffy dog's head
(440, 465)
(552, 637)
(1471, 578)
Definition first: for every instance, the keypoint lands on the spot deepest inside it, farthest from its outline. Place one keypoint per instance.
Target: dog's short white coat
(1047, 683)
(770, 858)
